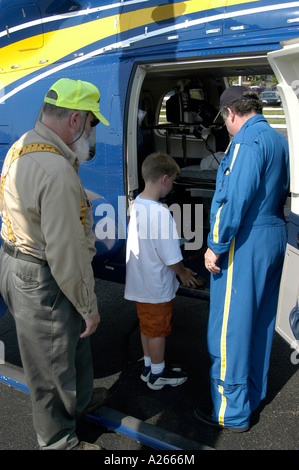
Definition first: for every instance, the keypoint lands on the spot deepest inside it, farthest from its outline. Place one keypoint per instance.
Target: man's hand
(211, 260)
(91, 325)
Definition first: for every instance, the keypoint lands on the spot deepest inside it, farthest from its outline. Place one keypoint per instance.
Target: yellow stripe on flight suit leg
(226, 312)
(222, 407)
(223, 355)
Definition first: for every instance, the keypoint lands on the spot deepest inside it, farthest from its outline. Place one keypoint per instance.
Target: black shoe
(145, 373)
(206, 419)
(172, 376)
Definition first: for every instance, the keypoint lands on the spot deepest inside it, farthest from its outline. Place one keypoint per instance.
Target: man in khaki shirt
(47, 247)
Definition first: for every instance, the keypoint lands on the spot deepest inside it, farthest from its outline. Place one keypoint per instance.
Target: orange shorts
(155, 320)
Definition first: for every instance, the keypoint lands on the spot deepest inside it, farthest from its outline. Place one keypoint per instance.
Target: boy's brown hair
(158, 164)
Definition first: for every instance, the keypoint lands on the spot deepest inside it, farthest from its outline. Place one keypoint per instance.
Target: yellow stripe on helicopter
(23, 57)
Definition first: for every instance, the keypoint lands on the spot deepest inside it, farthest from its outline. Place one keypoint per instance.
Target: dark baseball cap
(230, 95)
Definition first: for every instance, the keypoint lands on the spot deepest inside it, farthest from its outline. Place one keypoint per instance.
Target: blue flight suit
(248, 230)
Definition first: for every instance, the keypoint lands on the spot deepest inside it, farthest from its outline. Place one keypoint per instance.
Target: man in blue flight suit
(245, 254)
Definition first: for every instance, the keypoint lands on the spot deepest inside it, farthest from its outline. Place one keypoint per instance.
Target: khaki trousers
(57, 363)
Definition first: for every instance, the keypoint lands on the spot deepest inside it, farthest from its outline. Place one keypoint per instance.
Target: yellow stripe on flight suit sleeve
(216, 225)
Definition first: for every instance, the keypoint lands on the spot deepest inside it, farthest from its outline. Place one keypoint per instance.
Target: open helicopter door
(285, 64)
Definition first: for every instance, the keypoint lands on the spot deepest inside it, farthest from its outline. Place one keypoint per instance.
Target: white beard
(81, 148)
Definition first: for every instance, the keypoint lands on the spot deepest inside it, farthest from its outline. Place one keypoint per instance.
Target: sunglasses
(94, 122)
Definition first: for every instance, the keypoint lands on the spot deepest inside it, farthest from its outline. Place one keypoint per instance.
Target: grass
(266, 112)
(274, 111)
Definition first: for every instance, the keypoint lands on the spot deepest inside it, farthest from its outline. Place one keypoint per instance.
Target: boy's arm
(185, 274)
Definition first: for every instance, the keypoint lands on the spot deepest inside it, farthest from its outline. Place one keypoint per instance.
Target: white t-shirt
(152, 246)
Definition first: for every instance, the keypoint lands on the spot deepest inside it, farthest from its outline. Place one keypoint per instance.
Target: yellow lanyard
(11, 157)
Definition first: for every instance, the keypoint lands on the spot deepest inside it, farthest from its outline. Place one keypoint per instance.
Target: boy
(153, 260)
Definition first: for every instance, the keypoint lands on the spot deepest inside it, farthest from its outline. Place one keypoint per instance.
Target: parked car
(256, 88)
(270, 98)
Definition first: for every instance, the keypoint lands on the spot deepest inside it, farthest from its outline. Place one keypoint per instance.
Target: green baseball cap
(78, 95)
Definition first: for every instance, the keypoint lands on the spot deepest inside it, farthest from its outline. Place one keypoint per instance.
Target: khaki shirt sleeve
(68, 247)
(90, 238)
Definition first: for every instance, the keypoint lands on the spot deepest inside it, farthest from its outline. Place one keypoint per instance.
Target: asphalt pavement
(137, 418)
